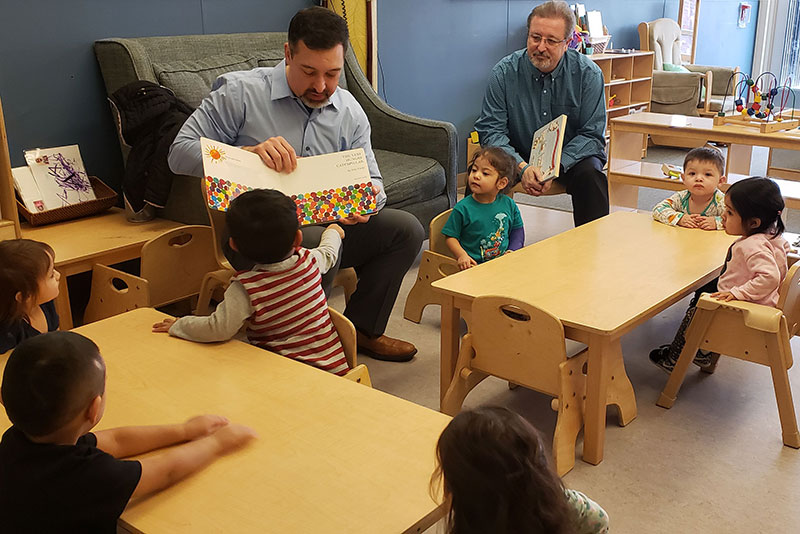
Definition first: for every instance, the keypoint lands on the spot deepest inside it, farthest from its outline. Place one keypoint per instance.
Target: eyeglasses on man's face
(535, 38)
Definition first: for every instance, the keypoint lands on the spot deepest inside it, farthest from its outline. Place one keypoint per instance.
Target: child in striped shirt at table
(701, 204)
(279, 298)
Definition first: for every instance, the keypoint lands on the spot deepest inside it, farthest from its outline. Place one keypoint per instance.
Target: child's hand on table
(164, 325)
(231, 437)
(687, 222)
(203, 425)
(465, 262)
(724, 296)
(705, 223)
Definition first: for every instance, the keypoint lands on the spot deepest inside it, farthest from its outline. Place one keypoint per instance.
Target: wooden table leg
(62, 305)
(449, 346)
(597, 376)
(740, 159)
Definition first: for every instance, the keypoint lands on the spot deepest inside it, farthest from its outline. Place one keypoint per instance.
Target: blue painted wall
(50, 83)
(435, 55)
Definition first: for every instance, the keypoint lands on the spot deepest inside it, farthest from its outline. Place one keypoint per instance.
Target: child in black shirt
(55, 475)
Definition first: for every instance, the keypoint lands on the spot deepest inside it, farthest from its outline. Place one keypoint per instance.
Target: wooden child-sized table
(332, 455)
(602, 280)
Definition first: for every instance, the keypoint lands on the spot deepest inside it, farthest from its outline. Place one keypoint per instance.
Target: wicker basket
(105, 198)
(599, 43)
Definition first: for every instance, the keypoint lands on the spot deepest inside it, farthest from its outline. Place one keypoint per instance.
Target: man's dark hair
(49, 379)
(263, 224)
(318, 28)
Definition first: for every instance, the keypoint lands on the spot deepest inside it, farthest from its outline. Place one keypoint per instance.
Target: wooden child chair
(518, 342)
(347, 335)
(436, 263)
(217, 281)
(172, 269)
(750, 332)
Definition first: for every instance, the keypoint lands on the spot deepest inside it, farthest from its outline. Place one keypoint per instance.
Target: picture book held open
(546, 148)
(325, 188)
(60, 177)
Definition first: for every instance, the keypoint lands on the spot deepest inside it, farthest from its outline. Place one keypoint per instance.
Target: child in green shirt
(485, 224)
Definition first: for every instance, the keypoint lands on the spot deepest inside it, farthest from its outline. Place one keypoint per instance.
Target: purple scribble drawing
(69, 179)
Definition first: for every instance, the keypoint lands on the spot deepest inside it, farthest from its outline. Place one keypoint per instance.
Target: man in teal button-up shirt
(529, 88)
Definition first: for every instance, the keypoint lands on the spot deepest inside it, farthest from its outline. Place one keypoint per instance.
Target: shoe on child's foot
(660, 357)
(703, 358)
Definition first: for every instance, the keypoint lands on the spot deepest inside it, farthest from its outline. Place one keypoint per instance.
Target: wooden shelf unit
(626, 173)
(9, 219)
(628, 77)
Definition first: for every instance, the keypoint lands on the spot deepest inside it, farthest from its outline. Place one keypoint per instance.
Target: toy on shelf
(671, 171)
(612, 101)
(755, 101)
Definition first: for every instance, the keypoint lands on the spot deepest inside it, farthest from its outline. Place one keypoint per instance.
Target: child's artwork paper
(27, 189)
(546, 148)
(60, 175)
(325, 188)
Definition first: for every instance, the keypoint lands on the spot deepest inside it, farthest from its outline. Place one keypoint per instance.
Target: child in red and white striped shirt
(280, 298)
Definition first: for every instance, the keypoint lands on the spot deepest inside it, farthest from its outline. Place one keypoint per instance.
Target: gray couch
(417, 157)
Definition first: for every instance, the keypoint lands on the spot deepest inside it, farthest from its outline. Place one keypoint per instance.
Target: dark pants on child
(381, 251)
(587, 184)
(679, 341)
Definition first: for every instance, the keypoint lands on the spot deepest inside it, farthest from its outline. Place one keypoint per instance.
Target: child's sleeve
(221, 325)
(669, 211)
(454, 224)
(765, 279)
(327, 252)
(719, 198)
(588, 516)
(516, 236)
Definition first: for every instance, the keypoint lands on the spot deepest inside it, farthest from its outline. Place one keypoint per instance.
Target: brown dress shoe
(386, 348)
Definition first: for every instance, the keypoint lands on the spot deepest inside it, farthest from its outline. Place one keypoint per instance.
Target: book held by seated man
(325, 188)
(546, 148)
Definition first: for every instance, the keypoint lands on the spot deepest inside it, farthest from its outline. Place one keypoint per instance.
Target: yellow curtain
(355, 12)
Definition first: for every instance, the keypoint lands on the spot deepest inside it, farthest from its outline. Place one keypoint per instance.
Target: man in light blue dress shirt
(293, 110)
(529, 88)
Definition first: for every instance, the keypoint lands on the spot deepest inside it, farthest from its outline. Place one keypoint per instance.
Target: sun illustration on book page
(216, 154)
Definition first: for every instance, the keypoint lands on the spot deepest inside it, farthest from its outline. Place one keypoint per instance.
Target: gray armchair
(417, 157)
(681, 92)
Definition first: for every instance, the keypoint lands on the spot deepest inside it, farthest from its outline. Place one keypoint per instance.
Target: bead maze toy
(756, 107)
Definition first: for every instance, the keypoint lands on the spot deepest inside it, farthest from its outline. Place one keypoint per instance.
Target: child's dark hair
(706, 154)
(757, 198)
(23, 264)
(49, 379)
(503, 163)
(263, 224)
(318, 28)
(497, 477)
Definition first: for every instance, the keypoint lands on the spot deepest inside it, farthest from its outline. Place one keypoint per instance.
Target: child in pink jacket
(756, 262)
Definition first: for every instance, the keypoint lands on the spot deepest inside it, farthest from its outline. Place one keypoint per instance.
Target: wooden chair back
(517, 341)
(175, 263)
(789, 299)
(114, 292)
(437, 240)
(347, 335)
